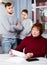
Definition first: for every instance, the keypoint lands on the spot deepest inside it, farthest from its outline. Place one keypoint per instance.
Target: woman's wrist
(31, 55)
(28, 55)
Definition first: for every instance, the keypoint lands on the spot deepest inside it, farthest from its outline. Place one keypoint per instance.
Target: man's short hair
(8, 4)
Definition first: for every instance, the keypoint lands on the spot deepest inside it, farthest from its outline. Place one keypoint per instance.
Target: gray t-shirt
(27, 24)
(7, 24)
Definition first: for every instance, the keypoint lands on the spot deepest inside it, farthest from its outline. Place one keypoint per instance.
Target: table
(3, 57)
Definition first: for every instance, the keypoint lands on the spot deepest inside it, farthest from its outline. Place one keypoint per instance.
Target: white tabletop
(4, 57)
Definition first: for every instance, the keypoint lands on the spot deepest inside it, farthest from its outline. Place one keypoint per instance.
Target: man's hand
(18, 25)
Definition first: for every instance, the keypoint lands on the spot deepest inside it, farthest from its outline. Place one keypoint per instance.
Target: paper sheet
(18, 53)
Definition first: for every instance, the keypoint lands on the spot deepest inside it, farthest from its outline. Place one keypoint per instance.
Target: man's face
(9, 9)
(24, 15)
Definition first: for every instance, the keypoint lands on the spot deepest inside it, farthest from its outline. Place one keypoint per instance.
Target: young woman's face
(24, 15)
(35, 32)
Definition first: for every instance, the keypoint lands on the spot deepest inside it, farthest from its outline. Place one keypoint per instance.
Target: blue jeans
(8, 44)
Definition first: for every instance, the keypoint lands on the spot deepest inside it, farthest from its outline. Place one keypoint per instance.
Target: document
(18, 53)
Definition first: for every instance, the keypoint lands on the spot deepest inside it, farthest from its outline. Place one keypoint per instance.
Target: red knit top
(37, 46)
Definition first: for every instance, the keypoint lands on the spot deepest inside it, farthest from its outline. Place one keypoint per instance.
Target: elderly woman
(35, 45)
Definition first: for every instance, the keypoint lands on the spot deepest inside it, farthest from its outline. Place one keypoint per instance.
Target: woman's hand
(10, 53)
(28, 55)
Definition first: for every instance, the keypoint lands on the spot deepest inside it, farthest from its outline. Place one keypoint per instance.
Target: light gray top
(8, 24)
(27, 24)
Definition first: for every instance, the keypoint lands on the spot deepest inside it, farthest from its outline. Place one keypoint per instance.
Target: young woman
(27, 24)
(35, 45)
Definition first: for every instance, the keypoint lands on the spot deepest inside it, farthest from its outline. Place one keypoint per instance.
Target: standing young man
(8, 28)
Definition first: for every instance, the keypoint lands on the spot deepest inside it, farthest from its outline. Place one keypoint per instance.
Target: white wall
(0, 1)
(6, 1)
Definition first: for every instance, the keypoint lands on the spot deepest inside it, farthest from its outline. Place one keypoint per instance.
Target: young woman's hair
(8, 4)
(39, 26)
(25, 10)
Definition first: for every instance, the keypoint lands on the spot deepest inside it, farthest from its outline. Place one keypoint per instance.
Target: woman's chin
(35, 36)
